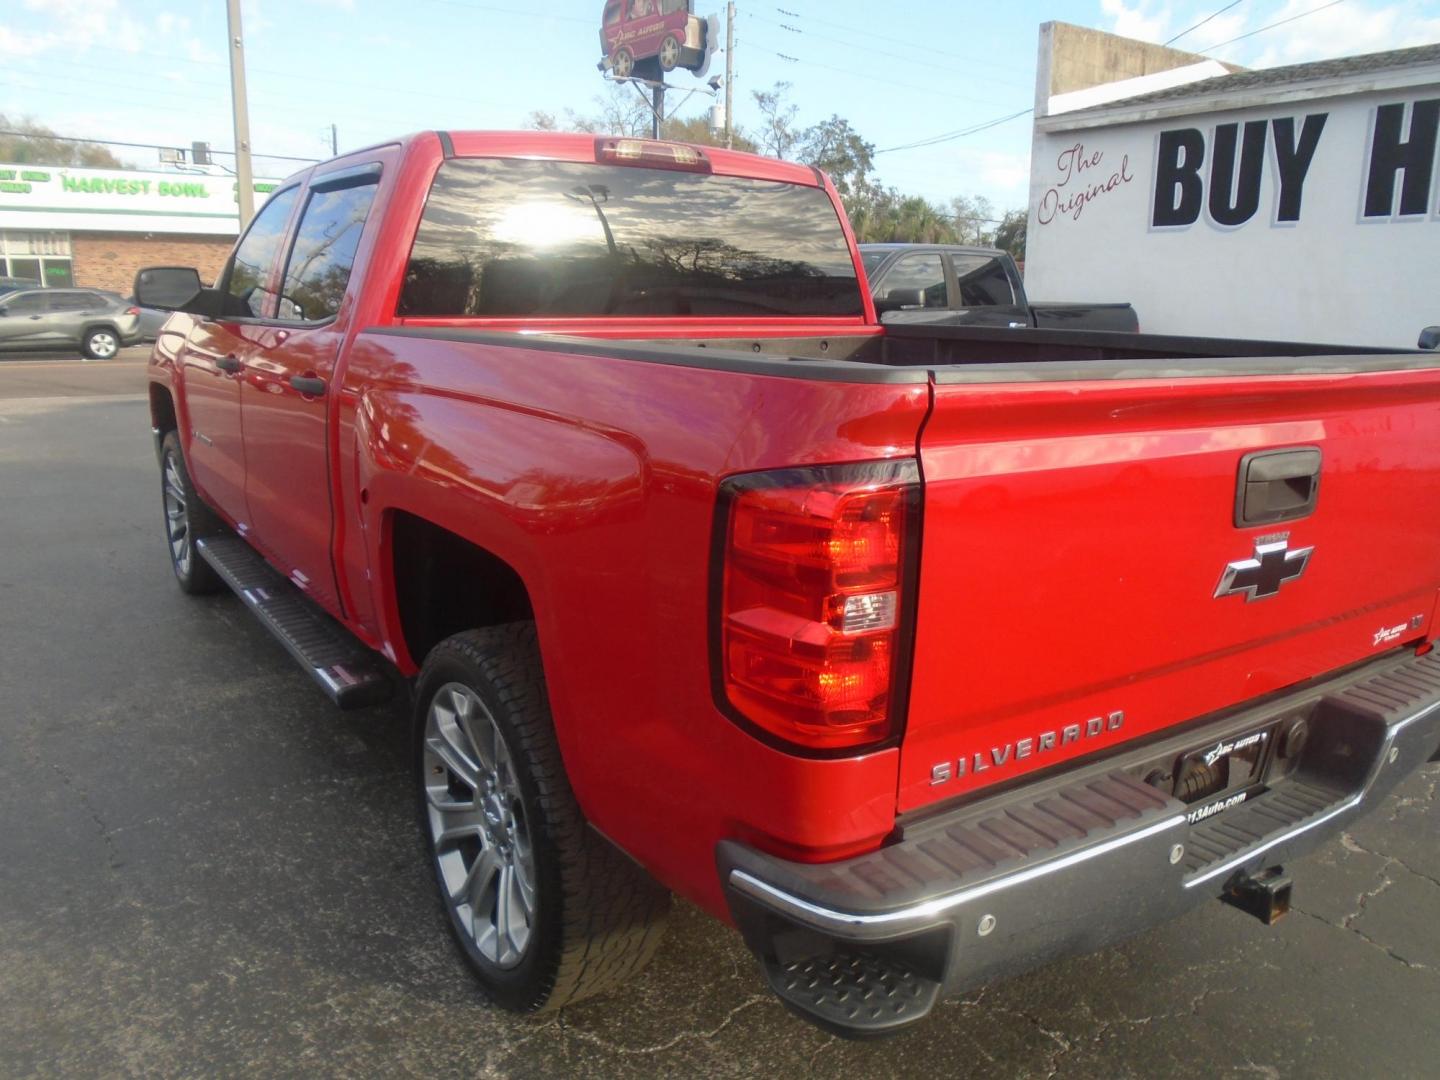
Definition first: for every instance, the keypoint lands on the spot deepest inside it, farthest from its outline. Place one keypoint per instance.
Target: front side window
(251, 263)
(28, 304)
(323, 253)
(983, 281)
(507, 238)
(923, 272)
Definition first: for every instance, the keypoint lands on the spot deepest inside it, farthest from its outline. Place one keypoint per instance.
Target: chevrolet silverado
(919, 654)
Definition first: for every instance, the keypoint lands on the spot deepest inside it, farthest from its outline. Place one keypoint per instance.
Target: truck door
(215, 353)
(985, 293)
(922, 273)
(286, 394)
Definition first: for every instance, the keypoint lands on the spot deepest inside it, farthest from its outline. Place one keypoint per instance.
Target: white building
(1298, 203)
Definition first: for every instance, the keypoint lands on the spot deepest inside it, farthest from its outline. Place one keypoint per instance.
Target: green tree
(36, 144)
(837, 149)
(624, 112)
(1010, 233)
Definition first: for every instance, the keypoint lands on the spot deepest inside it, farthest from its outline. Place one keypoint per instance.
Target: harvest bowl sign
(118, 200)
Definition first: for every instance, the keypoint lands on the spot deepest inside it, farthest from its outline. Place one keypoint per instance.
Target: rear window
(504, 238)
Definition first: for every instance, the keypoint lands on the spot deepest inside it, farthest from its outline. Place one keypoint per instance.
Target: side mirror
(1429, 338)
(175, 288)
(899, 299)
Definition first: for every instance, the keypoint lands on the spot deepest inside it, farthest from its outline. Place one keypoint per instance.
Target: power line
(1203, 21)
(1272, 26)
(948, 136)
(143, 146)
(852, 73)
(867, 48)
(869, 34)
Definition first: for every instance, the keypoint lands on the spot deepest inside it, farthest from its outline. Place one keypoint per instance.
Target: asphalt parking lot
(204, 869)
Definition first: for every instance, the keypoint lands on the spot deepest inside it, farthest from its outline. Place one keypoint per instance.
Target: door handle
(307, 385)
(36, 318)
(229, 364)
(1277, 485)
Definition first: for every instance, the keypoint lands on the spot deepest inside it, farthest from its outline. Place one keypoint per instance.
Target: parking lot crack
(106, 837)
(1347, 928)
(1351, 844)
(668, 1044)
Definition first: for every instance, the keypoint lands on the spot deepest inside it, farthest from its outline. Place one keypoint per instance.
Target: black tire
(101, 343)
(598, 917)
(195, 521)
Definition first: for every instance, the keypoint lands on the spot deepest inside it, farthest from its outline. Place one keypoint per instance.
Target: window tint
(250, 266)
(323, 253)
(872, 260)
(511, 238)
(923, 272)
(75, 302)
(983, 281)
(28, 304)
(612, 13)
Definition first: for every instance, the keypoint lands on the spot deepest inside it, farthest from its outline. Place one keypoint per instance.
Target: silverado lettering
(1042, 743)
(691, 570)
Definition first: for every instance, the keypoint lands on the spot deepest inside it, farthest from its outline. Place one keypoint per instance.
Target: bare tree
(778, 135)
(36, 144)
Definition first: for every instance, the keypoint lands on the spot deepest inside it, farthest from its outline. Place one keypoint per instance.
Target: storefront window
(42, 257)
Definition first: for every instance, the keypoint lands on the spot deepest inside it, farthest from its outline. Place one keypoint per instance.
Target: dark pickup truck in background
(950, 285)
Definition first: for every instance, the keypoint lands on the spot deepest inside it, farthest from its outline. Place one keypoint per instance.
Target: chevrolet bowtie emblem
(1261, 575)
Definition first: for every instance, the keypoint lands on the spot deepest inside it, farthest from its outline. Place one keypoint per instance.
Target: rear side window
(923, 272)
(251, 263)
(75, 302)
(323, 253)
(982, 281)
(503, 238)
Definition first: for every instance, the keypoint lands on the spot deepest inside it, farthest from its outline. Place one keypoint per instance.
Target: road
(206, 870)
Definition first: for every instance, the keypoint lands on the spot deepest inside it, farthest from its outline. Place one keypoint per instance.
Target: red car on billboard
(653, 34)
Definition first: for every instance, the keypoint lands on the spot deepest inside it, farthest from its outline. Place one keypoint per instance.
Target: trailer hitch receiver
(1266, 895)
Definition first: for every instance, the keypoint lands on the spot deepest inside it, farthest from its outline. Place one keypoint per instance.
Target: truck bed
(964, 353)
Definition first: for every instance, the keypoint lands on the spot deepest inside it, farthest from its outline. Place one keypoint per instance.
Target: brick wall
(109, 260)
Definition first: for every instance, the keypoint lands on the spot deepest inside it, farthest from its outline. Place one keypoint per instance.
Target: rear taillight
(813, 593)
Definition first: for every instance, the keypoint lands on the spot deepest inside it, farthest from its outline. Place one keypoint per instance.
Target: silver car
(97, 325)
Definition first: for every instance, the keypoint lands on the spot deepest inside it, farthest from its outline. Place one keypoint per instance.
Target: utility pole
(729, 74)
(657, 106)
(334, 142)
(244, 177)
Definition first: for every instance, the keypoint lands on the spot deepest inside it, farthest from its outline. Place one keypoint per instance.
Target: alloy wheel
(177, 524)
(103, 345)
(476, 815)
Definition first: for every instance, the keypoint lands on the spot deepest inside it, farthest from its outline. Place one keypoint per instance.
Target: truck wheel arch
(446, 584)
(162, 409)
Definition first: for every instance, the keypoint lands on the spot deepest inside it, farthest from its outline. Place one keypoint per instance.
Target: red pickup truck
(919, 654)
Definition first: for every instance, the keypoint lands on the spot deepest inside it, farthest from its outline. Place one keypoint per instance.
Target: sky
(155, 71)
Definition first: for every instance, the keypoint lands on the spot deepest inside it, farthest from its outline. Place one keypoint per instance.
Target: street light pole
(244, 176)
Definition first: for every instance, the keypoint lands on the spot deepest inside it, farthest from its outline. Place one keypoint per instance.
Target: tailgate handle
(1277, 485)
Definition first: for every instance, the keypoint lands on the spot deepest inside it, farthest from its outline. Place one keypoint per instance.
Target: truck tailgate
(1076, 535)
